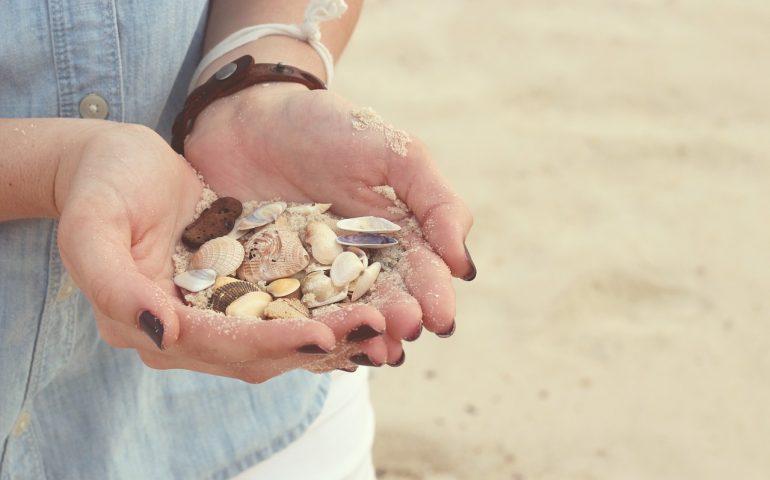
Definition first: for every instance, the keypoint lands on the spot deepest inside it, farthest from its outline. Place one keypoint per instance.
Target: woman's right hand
(124, 197)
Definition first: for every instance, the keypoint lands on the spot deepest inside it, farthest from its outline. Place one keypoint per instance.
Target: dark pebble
(216, 221)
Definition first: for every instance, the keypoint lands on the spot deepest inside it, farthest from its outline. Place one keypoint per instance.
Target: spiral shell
(228, 293)
(271, 254)
(223, 255)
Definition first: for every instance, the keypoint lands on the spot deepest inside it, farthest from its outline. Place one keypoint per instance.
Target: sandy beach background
(615, 155)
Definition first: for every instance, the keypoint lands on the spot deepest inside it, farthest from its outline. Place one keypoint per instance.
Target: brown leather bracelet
(231, 78)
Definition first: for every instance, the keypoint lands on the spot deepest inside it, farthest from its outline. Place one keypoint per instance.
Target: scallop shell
(228, 293)
(346, 268)
(365, 281)
(319, 290)
(271, 254)
(261, 216)
(310, 209)
(196, 280)
(367, 240)
(286, 308)
(223, 255)
(251, 304)
(368, 225)
(323, 242)
(283, 287)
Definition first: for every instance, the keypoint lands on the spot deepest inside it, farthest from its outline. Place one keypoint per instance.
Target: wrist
(271, 49)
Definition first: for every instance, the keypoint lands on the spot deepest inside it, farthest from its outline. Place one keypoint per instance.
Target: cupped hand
(283, 141)
(124, 198)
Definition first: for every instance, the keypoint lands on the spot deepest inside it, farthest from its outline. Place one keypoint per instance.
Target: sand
(615, 155)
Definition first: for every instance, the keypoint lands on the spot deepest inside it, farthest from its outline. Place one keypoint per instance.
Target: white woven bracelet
(316, 12)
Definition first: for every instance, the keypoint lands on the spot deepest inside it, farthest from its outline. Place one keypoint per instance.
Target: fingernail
(472, 274)
(364, 332)
(400, 360)
(415, 336)
(153, 327)
(364, 360)
(448, 333)
(349, 370)
(313, 349)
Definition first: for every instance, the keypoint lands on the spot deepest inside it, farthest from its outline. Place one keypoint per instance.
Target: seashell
(361, 255)
(365, 281)
(319, 290)
(316, 267)
(196, 280)
(261, 216)
(286, 308)
(223, 255)
(251, 304)
(346, 268)
(309, 209)
(312, 301)
(367, 240)
(368, 225)
(271, 254)
(228, 293)
(215, 221)
(323, 242)
(283, 287)
(221, 281)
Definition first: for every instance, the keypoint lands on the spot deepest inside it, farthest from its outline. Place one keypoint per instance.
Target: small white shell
(250, 305)
(319, 290)
(223, 255)
(365, 281)
(368, 225)
(323, 242)
(196, 280)
(360, 254)
(261, 216)
(345, 268)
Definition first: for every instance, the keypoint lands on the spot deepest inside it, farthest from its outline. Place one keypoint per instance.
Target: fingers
(402, 312)
(428, 280)
(99, 259)
(443, 217)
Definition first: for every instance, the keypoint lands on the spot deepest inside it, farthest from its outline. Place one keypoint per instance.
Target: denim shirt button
(94, 106)
(22, 424)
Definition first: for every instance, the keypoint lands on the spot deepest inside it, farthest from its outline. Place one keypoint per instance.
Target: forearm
(228, 16)
(31, 151)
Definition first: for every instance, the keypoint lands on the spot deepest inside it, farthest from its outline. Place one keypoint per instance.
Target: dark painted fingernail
(448, 333)
(415, 336)
(349, 370)
(153, 327)
(364, 332)
(313, 349)
(472, 274)
(363, 359)
(400, 360)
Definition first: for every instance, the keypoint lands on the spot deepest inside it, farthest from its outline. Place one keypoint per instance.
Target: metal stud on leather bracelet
(231, 78)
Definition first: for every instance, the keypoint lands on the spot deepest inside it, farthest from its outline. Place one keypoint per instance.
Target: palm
(297, 145)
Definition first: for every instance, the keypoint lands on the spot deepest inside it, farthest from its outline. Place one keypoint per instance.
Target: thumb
(97, 255)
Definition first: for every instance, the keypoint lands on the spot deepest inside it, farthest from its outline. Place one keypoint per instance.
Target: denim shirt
(72, 407)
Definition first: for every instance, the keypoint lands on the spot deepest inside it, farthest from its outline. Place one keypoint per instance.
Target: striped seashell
(223, 255)
(228, 293)
(271, 254)
(286, 308)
